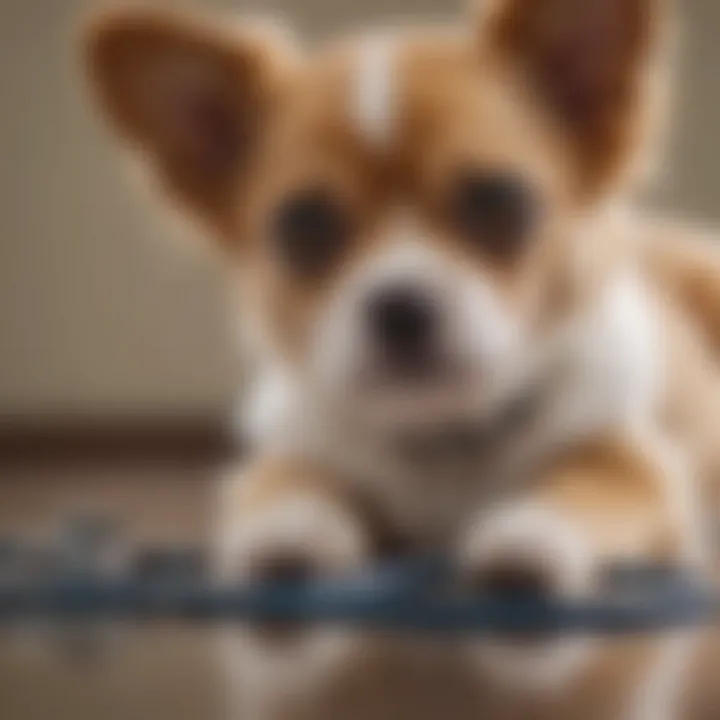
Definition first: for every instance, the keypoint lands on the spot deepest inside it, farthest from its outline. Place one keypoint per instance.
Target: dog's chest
(422, 496)
(605, 374)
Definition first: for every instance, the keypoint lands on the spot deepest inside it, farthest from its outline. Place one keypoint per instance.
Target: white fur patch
(476, 329)
(373, 101)
(615, 358)
(262, 415)
(612, 372)
(263, 674)
(532, 534)
(305, 524)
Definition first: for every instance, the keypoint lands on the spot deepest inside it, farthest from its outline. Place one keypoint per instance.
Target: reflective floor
(109, 673)
(133, 673)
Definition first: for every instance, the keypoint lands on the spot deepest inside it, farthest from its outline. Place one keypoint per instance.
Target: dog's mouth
(421, 390)
(413, 373)
(472, 438)
(440, 412)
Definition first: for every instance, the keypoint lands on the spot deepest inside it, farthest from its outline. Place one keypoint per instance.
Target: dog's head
(406, 209)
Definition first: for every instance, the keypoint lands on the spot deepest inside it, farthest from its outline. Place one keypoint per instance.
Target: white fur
(372, 105)
(612, 374)
(608, 354)
(533, 535)
(261, 415)
(477, 330)
(536, 534)
(610, 377)
(306, 524)
(266, 672)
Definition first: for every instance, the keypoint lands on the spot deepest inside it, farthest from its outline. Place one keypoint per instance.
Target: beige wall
(96, 315)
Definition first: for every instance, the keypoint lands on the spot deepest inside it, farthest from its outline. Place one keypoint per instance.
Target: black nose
(402, 322)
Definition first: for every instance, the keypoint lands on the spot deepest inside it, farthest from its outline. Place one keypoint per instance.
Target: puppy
(465, 341)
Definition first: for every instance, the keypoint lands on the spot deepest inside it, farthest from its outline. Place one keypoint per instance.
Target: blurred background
(117, 370)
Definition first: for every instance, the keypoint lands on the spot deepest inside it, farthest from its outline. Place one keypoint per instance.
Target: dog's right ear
(191, 96)
(598, 67)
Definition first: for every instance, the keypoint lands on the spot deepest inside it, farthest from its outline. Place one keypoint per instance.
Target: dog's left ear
(191, 96)
(596, 67)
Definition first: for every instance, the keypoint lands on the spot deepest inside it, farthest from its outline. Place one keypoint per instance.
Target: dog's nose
(402, 321)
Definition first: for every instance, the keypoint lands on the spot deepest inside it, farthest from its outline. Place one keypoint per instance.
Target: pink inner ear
(580, 51)
(198, 119)
(209, 130)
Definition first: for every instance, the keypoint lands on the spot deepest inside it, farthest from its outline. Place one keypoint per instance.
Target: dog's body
(467, 341)
(609, 467)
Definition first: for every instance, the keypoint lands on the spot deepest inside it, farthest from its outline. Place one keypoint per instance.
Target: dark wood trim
(89, 440)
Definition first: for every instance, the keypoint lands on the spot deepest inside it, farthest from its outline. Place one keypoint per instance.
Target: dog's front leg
(620, 499)
(281, 518)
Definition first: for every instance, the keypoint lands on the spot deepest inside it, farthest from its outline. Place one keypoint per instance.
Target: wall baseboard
(112, 440)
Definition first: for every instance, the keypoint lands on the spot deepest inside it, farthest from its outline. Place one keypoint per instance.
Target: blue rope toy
(415, 596)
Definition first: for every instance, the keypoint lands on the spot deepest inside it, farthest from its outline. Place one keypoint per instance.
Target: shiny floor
(134, 673)
(109, 673)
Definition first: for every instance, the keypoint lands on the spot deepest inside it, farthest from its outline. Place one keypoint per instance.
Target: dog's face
(405, 209)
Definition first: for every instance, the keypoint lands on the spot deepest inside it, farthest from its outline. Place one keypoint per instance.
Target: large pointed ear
(191, 96)
(596, 65)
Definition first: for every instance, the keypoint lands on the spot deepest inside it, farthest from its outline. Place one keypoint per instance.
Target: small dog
(467, 339)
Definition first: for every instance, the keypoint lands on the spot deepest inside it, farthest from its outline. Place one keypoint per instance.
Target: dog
(468, 339)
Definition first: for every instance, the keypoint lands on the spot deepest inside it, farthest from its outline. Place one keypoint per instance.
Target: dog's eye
(310, 229)
(495, 211)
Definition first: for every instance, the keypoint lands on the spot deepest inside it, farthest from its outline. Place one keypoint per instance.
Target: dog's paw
(528, 549)
(533, 550)
(297, 538)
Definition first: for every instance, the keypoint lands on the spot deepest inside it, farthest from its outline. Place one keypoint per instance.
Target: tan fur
(280, 475)
(613, 124)
(466, 113)
(152, 66)
(269, 484)
(686, 261)
(614, 489)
